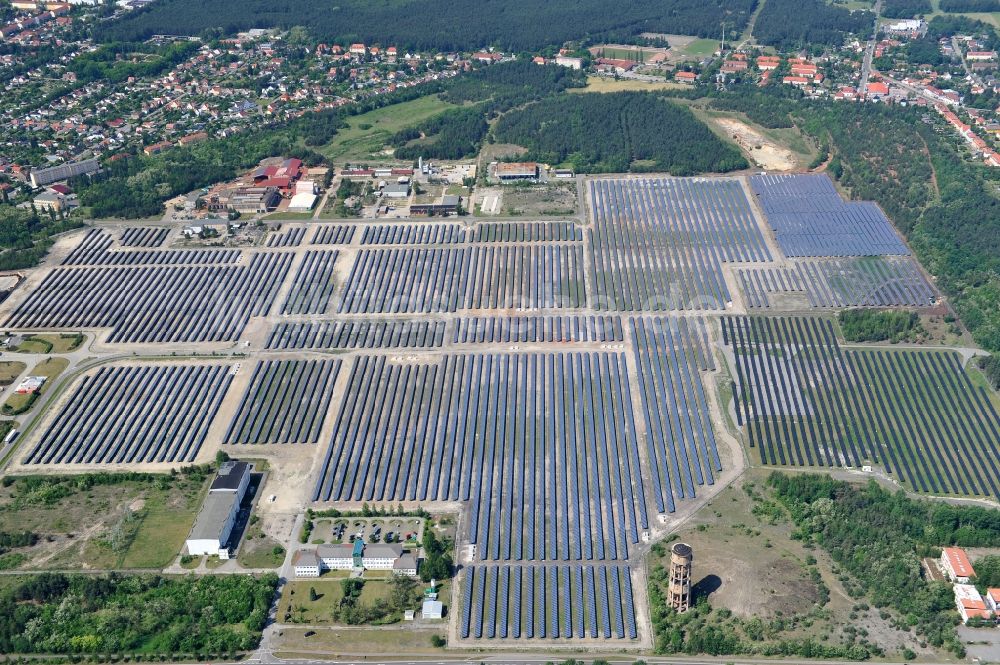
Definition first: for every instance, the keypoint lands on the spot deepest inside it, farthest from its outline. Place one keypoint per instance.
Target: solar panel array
(810, 218)
(414, 234)
(883, 281)
(313, 285)
(333, 234)
(670, 354)
(156, 303)
(96, 250)
(408, 281)
(344, 334)
(290, 237)
(806, 402)
(285, 402)
(659, 243)
(527, 232)
(568, 602)
(146, 413)
(143, 237)
(534, 329)
(542, 446)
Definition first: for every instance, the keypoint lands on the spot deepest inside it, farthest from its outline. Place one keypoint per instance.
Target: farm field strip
(809, 218)
(132, 415)
(670, 354)
(807, 402)
(547, 602)
(385, 334)
(156, 303)
(534, 329)
(543, 447)
(96, 250)
(659, 243)
(143, 237)
(888, 281)
(289, 237)
(313, 285)
(286, 401)
(408, 281)
(333, 234)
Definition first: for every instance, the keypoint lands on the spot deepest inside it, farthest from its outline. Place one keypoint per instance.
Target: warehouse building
(302, 202)
(517, 172)
(214, 524)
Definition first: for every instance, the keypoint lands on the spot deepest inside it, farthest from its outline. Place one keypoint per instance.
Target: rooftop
(230, 476)
(216, 509)
(959, 562)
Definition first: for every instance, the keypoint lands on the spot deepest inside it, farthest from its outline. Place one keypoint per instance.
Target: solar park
(555, 383)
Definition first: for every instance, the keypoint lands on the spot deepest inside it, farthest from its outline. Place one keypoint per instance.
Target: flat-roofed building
(42, 177)
(355, 556)
(517, 171)
(215, 521)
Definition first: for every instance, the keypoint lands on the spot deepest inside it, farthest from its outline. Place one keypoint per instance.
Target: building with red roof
(956, 565)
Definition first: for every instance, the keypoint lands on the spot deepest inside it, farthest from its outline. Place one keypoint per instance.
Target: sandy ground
(763, 151)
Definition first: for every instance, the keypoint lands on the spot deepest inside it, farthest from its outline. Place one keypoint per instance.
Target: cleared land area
(366, 135)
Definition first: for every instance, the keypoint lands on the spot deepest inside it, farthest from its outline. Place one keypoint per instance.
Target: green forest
(26, 236)
(878, 538)
(816, 22)
(970, 6)
(116, 614)
(440, 24)
(617, 132)
(871, 325)
(905, 8)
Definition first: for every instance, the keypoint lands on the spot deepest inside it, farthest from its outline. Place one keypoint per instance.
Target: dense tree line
(25, 236)
(924, 51)
(493, 90)
(878, 537)
(771, 109)
(946, 26)
(454, 134)
(815, 22)
(991, 368)
(67, 614)
(437, 563)
(987, 573)
(441, 24)
(616, 132)
(117, 61)
(872, 325)
(959, 6)
(905, 8)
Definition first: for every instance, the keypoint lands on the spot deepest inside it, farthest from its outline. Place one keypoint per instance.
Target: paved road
(866, 66)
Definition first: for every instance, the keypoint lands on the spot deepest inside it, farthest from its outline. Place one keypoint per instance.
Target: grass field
(50, 368)
(10, 370)
(290, 216)
(76, 526)
(365, 136)
(604, 84)
(701, 48)
(992, 18)
(51, 343)
(259, 550)
(752, 572)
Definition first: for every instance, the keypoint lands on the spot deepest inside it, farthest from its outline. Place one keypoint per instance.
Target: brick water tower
(679, 590)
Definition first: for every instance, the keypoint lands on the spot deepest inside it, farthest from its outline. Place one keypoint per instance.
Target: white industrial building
(302, 202)
(215, 521)
(970, 604)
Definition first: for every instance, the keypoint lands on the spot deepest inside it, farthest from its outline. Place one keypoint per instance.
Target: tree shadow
(705, 587)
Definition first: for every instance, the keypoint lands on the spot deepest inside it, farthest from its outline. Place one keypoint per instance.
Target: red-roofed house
(799, 81)
(993, 599)
(768, 62)
(686, 77)
(956, 565)
(877, 89)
